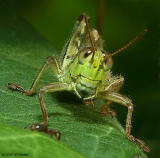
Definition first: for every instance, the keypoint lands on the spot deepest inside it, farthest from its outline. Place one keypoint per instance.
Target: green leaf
(84, 131)
(21, 142)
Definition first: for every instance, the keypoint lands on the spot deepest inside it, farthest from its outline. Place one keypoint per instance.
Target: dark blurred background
(118, 21)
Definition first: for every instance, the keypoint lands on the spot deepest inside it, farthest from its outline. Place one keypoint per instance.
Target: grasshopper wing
(72, 47)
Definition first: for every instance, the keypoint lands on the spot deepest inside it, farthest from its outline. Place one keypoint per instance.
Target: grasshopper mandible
(84, 67)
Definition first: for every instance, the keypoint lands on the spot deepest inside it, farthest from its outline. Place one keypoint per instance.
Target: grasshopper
(84, 67)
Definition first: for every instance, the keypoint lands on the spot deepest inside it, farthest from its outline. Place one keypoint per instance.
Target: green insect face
(89, 71)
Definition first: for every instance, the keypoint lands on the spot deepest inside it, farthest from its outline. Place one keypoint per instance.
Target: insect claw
(89, 102)
(12, 86)
(141, 143)
(58, 135)
(41, 127)
(143, 146)
(112, 113)
(16, 87)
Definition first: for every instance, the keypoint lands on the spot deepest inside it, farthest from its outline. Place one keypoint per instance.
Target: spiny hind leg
(50, 61)
(42, 127)
(123, 100)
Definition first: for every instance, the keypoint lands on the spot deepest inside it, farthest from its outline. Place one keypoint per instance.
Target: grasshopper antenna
(89, 33)
(129, 43)
(100, 15)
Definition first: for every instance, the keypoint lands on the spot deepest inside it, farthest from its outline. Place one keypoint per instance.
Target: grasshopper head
(90, 71)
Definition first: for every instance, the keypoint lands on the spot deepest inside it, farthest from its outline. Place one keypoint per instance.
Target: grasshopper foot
(89, 103)
(14, 87)
(141, 143)
(41, 127)
(104, 113)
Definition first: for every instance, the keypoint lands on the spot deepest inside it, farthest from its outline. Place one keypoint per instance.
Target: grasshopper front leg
(50, 88)
(123, 100)
(55, 67)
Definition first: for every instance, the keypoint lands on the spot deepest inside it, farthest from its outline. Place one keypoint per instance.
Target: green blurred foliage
(139, 64)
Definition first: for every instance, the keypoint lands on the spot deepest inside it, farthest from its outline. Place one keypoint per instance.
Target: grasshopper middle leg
(115, 86)
(43, 125)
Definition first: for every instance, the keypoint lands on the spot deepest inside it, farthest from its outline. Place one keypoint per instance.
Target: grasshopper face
(89, 72)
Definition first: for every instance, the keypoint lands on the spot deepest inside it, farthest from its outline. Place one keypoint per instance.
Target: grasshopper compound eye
(85, 55)
(107, 62)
